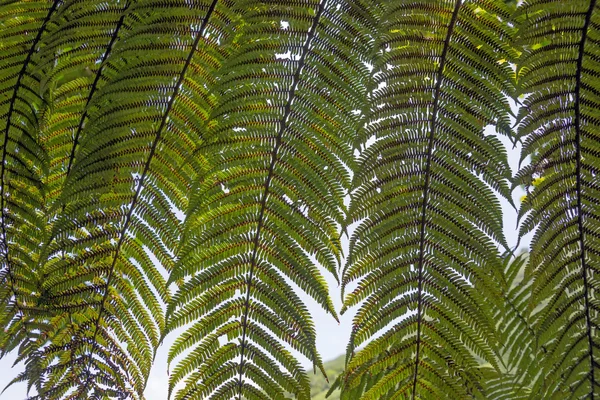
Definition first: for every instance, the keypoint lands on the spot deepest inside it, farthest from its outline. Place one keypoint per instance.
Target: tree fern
(271, 210)
(221, 149)
(558, 74)
(427, 221)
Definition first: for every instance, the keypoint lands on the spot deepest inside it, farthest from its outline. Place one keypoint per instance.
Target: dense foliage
(194, 167)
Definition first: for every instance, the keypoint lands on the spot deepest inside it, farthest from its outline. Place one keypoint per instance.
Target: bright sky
(331, 338)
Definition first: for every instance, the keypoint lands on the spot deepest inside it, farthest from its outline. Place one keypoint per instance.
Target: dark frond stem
(109, 48)
(520, 315)
(93, 89)
(263, 202)
(431, 139)
(584, 268)
(11, 109)
(84, 115)
(163, 122)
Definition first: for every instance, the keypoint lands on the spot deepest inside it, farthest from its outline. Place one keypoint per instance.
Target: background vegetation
(319, 386)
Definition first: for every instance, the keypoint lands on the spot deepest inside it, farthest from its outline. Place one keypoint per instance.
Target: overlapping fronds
(134, 123)
(213, 146)
(270, 213)
(558, 74)
(76, 55)
(518, 352)
(70, 66)
(23, 25)
(428, 216)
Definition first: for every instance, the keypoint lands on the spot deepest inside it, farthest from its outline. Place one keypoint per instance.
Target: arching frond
(128, 178)
(428, 217)
(70, 63)
(23, 163)
(271, 210)
(558, 74)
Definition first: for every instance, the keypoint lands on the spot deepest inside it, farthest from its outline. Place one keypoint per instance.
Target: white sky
(331, 337)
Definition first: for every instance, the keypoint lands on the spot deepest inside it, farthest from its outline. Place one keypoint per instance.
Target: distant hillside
(319, 385)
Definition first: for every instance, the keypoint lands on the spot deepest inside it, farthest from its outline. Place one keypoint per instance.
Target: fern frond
(271, 210)
(78, 53)
(80, 29)
(519, 356)
(23, 162)
(558, 75)
(116, 234)
(428, 217)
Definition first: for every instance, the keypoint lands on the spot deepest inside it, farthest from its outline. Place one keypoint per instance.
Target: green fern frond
(519, 355)
(78, 54)
(23, 162)
(558, 74)
(428, 218)
(126, 179)
(82, 38)
(270, 212)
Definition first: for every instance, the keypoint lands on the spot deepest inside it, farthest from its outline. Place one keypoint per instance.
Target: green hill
(319, 385)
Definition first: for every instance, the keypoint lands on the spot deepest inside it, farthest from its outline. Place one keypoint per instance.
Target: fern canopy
(199, 169)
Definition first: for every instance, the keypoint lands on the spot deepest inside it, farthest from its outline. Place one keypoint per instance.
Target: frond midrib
(584, 267)
(431, 139)
(270, 173)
